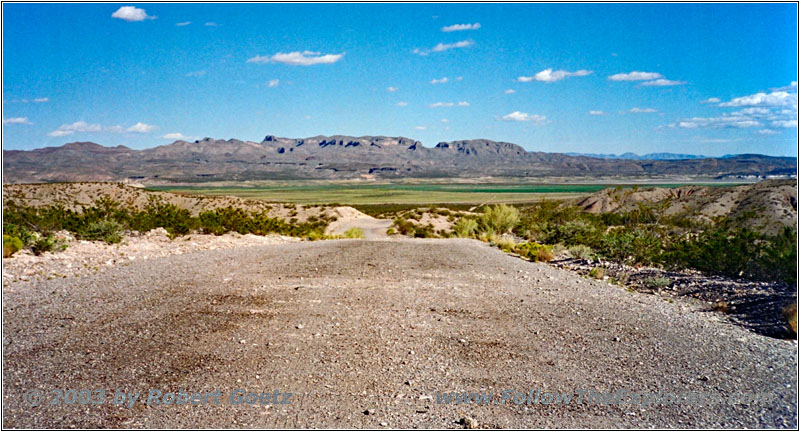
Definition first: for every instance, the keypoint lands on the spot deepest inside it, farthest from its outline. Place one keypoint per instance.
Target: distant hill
(766, 206)
(347, 157)
(648, 156)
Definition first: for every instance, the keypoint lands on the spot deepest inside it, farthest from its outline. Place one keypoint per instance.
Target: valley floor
(369, 334)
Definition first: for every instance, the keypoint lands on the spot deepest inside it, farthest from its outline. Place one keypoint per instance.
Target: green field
(403, 193)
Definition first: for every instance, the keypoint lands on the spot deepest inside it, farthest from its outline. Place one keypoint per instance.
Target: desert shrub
(573, 232)
(534, 251)
(581, 252)
(404, 227)
(18, 232)
(107, 230)
(210, 223)
(597, 272)
(790, 314)
(717, 251)
(657, 282)
(424, 231)
(175, 220)
(721, 306)
(738, 252)
(505, 243)
(778, 259)
(499, 219)
(465, 227)
(46, 243)
(11, 245)
(391, 231)
(354, 233)
(632, 246)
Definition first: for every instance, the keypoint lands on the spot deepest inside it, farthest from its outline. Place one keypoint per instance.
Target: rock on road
(365, 334)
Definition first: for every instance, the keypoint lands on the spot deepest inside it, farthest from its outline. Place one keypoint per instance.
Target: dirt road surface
(365, 334)
(372, 228)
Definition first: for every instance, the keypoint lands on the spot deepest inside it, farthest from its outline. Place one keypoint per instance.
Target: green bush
(354, 233)
(657, 282)
(505, 243)
(632, 246)
(424, 231)
(17, 231)
(581, 252)
(465, 227)
(597, 272)
(46, 243)
(107, 230)
(11, 245)
(405, 227)
(499, 219)
(534, 251)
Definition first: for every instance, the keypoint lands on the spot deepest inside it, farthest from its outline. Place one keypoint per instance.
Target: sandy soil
(366, 333)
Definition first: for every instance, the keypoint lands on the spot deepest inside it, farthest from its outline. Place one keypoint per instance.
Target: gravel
(355, 326)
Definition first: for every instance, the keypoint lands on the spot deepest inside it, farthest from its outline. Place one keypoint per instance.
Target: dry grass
(790, 313)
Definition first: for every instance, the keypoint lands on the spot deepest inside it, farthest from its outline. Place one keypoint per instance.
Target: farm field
(350, 193)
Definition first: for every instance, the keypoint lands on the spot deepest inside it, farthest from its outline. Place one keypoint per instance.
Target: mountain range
(649, 156)
(347, 157)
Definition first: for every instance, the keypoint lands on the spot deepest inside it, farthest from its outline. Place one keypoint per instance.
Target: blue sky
(605, 78)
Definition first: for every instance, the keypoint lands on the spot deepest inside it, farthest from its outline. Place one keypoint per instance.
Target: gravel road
(365, 334)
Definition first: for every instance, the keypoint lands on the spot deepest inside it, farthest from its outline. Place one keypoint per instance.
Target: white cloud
(131, 14)
(391, 89)
(402, 103)
(785, 123)
(710, 100)
(115, 129)
(459, 78)
(643, 110)
(596, 113)
(463, 104)
(461, 27)
(210, 24)
(525, 117)
(441, 104)
(141, 128)
(444, 47)
(663, 82)
(273, 83)
(549, 75)
(175, 136)
(768, 132)
(525, 79)
(792, 87)
(444, 120)
(774, 99)
(439, 81)
(509, 91)
(69, 129)
(460, 44)
(758, 111)
(16, 120)
(196, 73)
(420, 127)
(725, 121)
(297, 58)
(636, 76)
(182, 24)
(41, 100)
